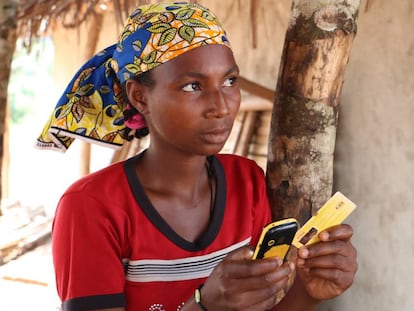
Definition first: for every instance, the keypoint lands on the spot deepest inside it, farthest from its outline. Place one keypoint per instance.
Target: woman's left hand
(326, 269)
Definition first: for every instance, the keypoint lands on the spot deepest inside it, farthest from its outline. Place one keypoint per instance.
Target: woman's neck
(176, 172)
(179, 186)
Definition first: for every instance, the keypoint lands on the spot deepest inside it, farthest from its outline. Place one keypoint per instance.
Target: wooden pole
(247, 132)
(304, 119)
(8, 36)
(94, 29)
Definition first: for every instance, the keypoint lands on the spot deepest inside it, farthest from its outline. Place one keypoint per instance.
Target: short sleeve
(87, 250)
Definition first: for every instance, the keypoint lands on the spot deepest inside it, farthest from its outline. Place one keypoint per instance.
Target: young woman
(173, 228)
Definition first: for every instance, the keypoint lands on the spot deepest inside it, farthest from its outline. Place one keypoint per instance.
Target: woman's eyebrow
(195, 74)
(235, 68)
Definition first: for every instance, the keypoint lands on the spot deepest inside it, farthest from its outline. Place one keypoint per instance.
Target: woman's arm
(85, 246)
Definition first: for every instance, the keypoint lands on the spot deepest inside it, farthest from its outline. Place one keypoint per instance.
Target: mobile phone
(276, 239)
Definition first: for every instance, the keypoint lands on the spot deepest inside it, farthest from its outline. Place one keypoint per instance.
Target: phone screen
(276, 239)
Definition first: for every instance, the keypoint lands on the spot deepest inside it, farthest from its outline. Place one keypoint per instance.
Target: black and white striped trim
(153, 270)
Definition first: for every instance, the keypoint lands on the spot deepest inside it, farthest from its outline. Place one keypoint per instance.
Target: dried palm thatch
(37, 17)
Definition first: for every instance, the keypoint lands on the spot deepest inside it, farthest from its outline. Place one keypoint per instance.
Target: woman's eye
(229, 81)
(191, 87)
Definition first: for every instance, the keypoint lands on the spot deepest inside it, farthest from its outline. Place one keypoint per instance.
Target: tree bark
(8, 26)
(305, 113)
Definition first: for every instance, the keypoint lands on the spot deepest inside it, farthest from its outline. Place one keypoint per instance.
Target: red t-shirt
(112, 249)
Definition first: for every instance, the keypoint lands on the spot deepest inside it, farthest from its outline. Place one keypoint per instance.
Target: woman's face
(194, 100)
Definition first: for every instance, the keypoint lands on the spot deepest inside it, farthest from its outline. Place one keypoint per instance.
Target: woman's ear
(135, 92)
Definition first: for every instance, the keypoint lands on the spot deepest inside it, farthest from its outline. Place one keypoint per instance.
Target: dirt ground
(27, 282)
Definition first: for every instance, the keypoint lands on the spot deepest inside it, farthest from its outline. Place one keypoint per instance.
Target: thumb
(242, 253)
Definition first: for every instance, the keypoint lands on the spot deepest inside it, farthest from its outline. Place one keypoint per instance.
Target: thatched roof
(37, 16)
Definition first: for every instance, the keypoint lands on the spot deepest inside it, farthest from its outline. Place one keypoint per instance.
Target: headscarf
(93, 107)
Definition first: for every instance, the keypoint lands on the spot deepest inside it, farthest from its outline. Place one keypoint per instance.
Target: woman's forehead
(158, 33)
(202, 61)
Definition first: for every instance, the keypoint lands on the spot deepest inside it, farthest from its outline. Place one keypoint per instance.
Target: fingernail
(304, 252)
(324, 236)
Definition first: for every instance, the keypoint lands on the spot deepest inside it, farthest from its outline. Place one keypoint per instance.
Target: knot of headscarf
(93, 106)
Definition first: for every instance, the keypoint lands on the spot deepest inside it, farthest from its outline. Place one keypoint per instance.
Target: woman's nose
(218, 106)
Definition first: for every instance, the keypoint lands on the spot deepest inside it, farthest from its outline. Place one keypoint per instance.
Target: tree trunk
(8, 25)
(305, 114)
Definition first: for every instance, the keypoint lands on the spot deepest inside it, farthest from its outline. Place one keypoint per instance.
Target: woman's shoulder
(239, 167)
(100, 179)
(239, 162)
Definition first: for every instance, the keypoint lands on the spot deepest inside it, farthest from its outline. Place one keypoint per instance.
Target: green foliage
(30, 78)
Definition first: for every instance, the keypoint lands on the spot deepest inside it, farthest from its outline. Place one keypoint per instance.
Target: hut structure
(374, 155)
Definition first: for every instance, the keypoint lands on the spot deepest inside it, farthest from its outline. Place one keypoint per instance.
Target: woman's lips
(216, 136)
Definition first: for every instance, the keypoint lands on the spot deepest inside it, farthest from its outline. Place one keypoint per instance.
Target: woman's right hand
(240, 283)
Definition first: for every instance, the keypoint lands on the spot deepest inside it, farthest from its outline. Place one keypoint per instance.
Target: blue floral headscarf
(93, 107)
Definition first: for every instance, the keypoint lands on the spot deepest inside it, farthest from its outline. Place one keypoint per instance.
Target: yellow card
(332, 213)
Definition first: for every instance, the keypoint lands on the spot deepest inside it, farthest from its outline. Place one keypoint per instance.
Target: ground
(38, 178)
(27, 283)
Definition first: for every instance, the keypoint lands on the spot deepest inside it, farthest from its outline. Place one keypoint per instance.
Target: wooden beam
(256, 89)
(254, 103)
